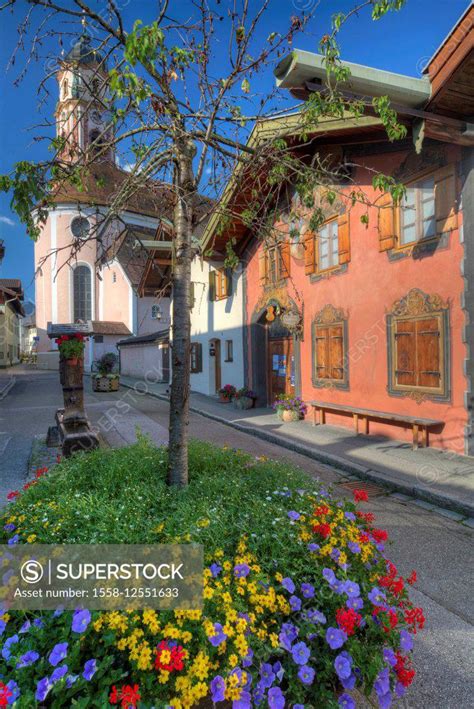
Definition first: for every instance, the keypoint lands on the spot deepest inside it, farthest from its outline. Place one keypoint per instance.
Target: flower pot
(105, 383)
(224, 399)
(244, 402)
(288, 415)
(72, 361)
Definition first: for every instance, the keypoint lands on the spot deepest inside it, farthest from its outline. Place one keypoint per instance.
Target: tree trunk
(179, 400)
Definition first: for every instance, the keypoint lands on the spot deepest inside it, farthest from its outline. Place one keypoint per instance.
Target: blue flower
(267, 675)
(382, 682)
(25, 627)
(294, 515)
(80, 620)
(389, 657)
(313, 547)
(307, 590)
(385, 700)
(241, 571)
(276, 700)
(343, 665)
(335, 638)
(218, 689)
(288, 584)
(15, 691)
(215, 570)
(70, 679)
(329, 576)
(6, 652)
(288, 633)
(244, 702)
(351, 589)
(353, 547)
(58, 653)
(42, 689)
(406, 640)
(300, 653)
(90, 668)
(9, 527)
(3, 625)
(306, 674)
(349, 682)
(377, 597)
(13, 540)
(27, 659)
(38, 623)
(295, 603)
(218, 637)
(247, 660)
(315, 616)
(355, 603)
(346, 701)
(58, 674)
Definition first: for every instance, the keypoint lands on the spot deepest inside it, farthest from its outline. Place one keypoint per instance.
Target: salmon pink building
(370, 319)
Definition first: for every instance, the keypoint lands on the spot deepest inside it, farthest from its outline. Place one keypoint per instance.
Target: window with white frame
(418, 219)
(328, 246)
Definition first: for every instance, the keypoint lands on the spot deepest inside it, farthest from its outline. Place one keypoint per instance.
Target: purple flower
(352, 589)
(350, 515)
(335, 554)
(389, 657)
(315, 616)
(276, 700)
(80, 620)
(338, 587)
(58, 674)
(288, 584)
(218, 637)
(57, 654)
(9, 527)
(385, 700)
(90, 668)
(6, 652)
(300, 653)
(298, 706)
(70, 679)
(42, 689)
(215, 570)
(295, 603)
(329, 576)
(307, 590)
(400, 689)
(353, 547)
(288, 633)
(306, 674)
(406, 640)
(313, 547)
(3, 625)
(343, 665)
(382, 682)
(247, 660)
(25, 627)
(59, 611)
(218, 689)
(241, 571)
(13, 540)
(346, 701)
(27, 659)
(15, 691)
(335, 638)
(349, 683)
(267, 675)
(355, 603)
(244, 702)
(294, 515)
(377, 597)
(38, 623)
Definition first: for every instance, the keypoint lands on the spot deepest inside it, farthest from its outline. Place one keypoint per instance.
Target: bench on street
(418, 425)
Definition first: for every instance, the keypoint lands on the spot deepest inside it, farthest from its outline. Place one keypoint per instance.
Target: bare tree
(181, 95)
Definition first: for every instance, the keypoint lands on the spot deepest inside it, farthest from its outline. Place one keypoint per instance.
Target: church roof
(83, 53)
(104, 178)
(109, 327)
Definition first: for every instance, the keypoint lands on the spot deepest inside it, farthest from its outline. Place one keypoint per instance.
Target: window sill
(330, 383)
(327, 273)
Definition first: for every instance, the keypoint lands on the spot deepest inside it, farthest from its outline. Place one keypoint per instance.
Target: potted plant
(227, 393)
(244, 398)
(105, 379)
(71, 348)
(290, 408)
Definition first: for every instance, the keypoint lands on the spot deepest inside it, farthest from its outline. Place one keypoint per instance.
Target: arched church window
(80, 227)
(82, 293)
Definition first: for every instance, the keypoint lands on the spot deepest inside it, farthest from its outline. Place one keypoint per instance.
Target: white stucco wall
(145, 323)
(221, 319)
(144, 361)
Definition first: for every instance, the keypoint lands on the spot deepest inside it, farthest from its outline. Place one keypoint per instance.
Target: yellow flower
(204, 522)
(163, 676)
(31, 538)
(159, 528)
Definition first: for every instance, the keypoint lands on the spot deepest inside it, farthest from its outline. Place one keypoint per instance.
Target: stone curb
(341, 464)
(6, 387)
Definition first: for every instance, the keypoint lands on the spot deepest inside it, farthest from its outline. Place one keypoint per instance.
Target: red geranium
(415, 618)
(380, 535)
(360, 496)
(348, 620)
(404, 672)
(174, 659)
(321, 510)
(412, 578)
(11, 495)
(323, 529)
(128, 696)
(5, 694)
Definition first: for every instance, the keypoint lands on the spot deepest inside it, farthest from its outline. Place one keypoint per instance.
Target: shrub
(300, 603)
(107, 363)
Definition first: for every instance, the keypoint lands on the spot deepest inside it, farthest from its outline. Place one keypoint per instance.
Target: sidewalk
(433, 476)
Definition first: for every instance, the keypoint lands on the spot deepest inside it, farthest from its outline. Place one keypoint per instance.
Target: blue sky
(400, 42)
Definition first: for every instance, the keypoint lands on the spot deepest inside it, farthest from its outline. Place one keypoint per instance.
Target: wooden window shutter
(262, 268)
(285, 258)
(387, 222)
(198, 357)
(309, 253)
(228, 282)
(405, 348)
(212, 285)
(428, 348)
(321, 346)
(344, 242)
(445, 199)
(336, 352)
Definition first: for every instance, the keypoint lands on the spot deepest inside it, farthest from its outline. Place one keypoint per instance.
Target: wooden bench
(365, 415)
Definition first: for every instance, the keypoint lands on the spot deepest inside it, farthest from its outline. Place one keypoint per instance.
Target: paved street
(438, 548)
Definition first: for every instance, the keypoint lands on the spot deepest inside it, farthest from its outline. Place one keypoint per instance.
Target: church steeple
(81, 109)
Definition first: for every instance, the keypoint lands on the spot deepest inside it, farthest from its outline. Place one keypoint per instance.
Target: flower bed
(300, 605)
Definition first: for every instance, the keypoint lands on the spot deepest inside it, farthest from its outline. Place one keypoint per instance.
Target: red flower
(321, 510)
(360, 496)
(128, 696)
(11, 495)
(415, 617)
(348, 620)
(380, 535)
(412, 578)
(323, 529)
(367, 516)
(40, 472)
(404, 673)
(5, 694)
(364, 538)
(29, 484)
(175, 658)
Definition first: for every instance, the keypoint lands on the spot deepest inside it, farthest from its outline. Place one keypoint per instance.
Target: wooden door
(281, 368)
(217, 363)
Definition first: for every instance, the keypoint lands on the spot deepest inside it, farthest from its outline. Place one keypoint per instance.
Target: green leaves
(143, 43)
(381, 7)
(245, 86)
(28, 195)
(395, 130)
(385, 183)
